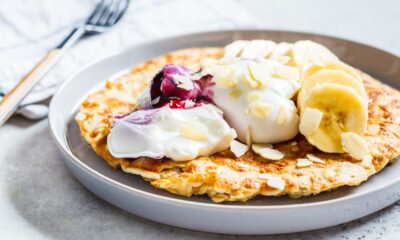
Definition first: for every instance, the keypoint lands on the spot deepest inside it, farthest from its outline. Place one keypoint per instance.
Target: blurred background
(28, 28)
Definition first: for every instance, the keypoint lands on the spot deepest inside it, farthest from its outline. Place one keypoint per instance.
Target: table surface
(40, 199)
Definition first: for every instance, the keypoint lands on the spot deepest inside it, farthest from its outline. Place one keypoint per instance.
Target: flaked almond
(80, 116)
(303, 162)
(264, 176)
(276, 182)
(283, 59)
(314, 158)
(189, 104)
(285, 72)
(155, 100)
(272, 181)
(238, 148)
(310, 120)
(265, 151)
(259, 109)
(194, 131)
(183, 82)
(259, 73)
(354, 145)
(236, 93)
(225, 77)
(254, 96)
(249, 81)
(249, 141)
(235, 49)
(282, 115)
(257, 48)
(282, 50)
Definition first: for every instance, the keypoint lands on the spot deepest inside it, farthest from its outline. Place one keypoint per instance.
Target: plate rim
(100, 177)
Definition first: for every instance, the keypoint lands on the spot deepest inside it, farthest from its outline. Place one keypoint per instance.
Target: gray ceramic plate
(262, 215)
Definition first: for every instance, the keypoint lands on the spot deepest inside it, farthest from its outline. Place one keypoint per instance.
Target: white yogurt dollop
(179, 134)
(255, 96)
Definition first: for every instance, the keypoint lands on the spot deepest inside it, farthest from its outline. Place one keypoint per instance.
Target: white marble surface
(40, 199)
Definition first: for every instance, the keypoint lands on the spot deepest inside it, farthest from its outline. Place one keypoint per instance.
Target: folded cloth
(29, 31)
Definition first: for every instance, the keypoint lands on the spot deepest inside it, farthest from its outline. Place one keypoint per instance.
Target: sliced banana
(335, 65)
(330, 76)
(343, 111)
(306, 53)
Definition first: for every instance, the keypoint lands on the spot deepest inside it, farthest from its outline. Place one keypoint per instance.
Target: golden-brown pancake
(222, 176)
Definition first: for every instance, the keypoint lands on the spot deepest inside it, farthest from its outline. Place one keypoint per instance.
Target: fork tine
(97, 8)
(108, 12)
(97, 13)
(116, 16)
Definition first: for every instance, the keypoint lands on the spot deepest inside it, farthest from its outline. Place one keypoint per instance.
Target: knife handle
(10, 102)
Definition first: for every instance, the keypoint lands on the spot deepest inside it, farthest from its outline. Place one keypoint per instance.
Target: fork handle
(10, 102)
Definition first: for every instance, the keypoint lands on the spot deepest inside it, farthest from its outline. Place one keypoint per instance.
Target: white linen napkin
(30, 28)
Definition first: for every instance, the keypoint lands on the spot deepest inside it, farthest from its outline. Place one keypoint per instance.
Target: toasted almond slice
(225, 77)
(264, 176)
(310, 120)
(155, 100)
(194, 131)
(265, 151)
(248, 80)
(276, 182)
(183, 82)
(253, 96)
(238, 148)
(354, 145)
(249, 141)
(236, 93)
(141, 172)
(234, 49)
(295, 149)
(257, 48)
(259, 109)
(288, 73)
(314, 158)
(282, 115)
(303, 162)
(366, 161)
(80, 116)
(283, 59)
(189, 104)
(258, 72)
(282, 50)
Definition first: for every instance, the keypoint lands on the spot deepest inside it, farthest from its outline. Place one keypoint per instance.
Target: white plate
(262, 215)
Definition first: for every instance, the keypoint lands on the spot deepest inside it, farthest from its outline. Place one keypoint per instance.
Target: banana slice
(337, 65)
(330, 76)
(306, 53)
(343, 111)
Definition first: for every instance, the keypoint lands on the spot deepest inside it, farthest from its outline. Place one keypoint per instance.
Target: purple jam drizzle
(163, 88)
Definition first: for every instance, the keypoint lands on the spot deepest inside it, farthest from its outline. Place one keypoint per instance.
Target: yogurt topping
(174, 119)
(179, 134)
(255, 96)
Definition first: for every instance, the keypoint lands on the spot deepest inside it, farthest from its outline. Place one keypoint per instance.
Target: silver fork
(105, 15)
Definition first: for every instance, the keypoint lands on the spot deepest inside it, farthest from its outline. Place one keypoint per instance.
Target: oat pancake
(222, 176)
